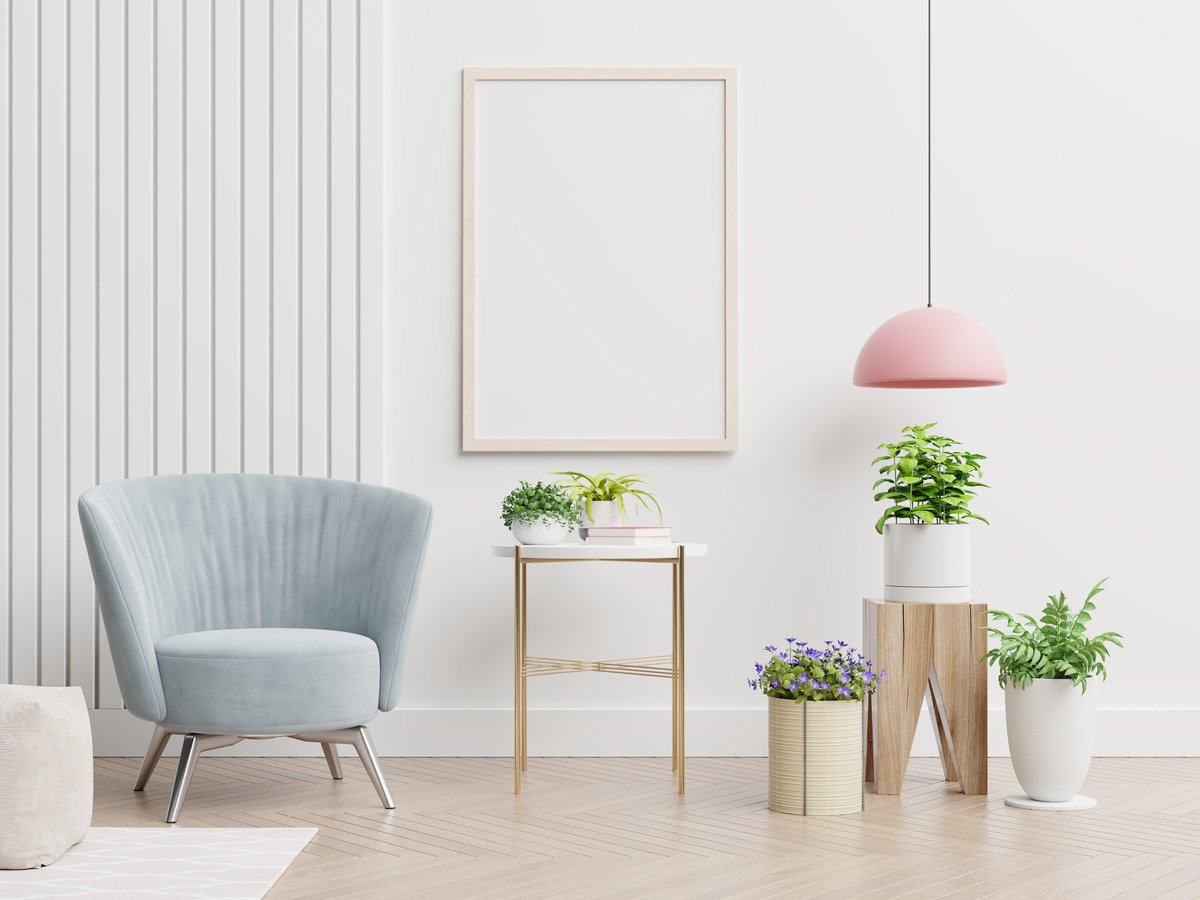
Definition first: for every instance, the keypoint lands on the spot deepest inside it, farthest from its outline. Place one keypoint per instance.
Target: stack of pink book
(628, 535)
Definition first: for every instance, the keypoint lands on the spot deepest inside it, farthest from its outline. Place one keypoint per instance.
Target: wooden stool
(932, 649)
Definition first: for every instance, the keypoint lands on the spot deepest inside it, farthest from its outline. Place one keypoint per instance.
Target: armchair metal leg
(183, 775)
(366, 752)
(193, 746)
(331, 757)
(360, 739)
(153, 754)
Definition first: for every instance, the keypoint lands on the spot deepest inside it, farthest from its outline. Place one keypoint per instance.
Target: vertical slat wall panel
(52, 327)
(369, 235)
(140, 232)
(257, 235)
(343, 212)
(5, 342)
(192, 267)
(314, 238)
(227, 237)
(25, 468)
(82, 334)
(171, 399)
(198, 221)
(112, 311)
(287, 291)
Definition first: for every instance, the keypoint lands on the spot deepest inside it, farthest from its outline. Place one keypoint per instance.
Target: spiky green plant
(586, 489)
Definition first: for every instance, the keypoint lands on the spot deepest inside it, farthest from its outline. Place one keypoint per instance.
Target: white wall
(1065, 220)
(1065, 198)
(190, 273)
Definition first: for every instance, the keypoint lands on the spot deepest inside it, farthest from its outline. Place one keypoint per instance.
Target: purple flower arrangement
(799, 671)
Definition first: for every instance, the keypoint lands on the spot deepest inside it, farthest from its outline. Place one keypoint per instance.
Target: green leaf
(1056, 646)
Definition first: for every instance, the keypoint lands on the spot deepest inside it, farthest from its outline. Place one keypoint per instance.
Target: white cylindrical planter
(815, 756)
(1051, 732)
(927, 563)
(604, 512)
(541, 531)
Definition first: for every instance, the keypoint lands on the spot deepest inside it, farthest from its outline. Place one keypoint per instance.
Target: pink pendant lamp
(929, 348)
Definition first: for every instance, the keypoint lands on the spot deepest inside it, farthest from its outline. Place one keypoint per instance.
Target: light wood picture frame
(599, 259)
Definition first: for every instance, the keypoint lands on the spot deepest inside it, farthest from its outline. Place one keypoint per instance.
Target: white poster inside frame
(599, 259)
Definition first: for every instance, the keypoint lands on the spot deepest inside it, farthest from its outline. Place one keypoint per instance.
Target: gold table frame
(664, 666)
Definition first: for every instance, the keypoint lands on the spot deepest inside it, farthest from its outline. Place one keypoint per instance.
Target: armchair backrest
(182, 553)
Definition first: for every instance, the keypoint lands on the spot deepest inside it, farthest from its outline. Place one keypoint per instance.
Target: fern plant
(587, 489)
(1056, 646)
(926, 480)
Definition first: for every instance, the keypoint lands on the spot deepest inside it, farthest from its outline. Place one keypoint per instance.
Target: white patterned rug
(225, 863)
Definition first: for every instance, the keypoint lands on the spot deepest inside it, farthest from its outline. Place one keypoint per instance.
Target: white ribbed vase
(815, 756)
(1051, 732)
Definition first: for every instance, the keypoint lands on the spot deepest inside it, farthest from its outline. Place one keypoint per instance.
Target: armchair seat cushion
(253, 681)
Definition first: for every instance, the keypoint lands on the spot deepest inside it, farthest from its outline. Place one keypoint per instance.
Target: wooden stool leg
(903, 645)
(869, 766)
(937, 715)
(961, 680)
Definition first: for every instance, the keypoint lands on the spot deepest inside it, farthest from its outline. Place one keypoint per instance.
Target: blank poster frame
(471, 441)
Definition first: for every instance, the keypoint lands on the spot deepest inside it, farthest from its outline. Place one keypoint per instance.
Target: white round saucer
(1075, 804)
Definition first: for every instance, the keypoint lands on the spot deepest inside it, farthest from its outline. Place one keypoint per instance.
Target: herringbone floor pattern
(614, 828)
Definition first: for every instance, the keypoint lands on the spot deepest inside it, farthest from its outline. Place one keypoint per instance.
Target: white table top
(607, 551)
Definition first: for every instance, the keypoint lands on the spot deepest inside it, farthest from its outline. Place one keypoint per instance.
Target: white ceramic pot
(815, 756)
(1051, 732)
(541, 531)
(604, 512)
(930, 563)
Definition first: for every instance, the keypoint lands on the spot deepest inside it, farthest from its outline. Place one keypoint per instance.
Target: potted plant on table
(539, 513)
(815, 721)
(1046, 667)
(603, 496)
(928, 485)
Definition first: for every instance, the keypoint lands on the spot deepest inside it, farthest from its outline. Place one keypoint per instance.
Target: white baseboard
(636, 732)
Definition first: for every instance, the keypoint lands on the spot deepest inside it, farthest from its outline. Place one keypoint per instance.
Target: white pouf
(45, 773)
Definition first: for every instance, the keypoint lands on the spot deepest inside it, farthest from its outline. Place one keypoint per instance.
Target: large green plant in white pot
(1048, 670)
(928, 484)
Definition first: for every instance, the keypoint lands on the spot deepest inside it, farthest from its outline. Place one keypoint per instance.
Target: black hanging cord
(929, 152)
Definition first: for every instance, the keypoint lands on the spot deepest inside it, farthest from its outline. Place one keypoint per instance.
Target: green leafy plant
(530, 502)
(926, 480)
(1057, 646)
(799, 672)
(587, 489)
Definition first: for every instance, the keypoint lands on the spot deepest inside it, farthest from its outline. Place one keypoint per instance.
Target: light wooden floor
(614, 828)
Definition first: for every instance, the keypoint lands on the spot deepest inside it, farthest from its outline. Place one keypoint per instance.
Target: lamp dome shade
(929, 347)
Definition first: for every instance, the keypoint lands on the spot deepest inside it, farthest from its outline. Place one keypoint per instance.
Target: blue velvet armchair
(245, 606)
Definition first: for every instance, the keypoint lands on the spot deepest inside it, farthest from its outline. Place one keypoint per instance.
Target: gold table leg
(674, 667)
(640, 666)
(518, 664)
(679, 632)
(525, 669)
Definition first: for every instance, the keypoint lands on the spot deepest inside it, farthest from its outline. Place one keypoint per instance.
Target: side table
(662, 666)
(934, 650)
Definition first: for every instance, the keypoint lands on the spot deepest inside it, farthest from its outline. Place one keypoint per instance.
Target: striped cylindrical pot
(815, 756)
